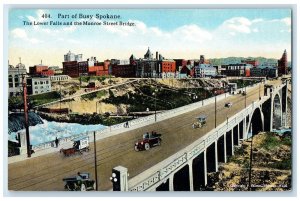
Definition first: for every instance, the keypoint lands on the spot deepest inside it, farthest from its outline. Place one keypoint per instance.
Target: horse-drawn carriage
(79, 145)
(201, 121)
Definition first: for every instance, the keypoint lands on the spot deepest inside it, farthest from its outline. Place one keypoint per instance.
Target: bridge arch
(277, 111)
(256, 123)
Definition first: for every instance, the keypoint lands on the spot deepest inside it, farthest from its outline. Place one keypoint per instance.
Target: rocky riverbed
(270, 169)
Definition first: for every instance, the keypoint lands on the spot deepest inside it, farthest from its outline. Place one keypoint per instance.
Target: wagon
(81, 182)
(79, 145)
(201, 121)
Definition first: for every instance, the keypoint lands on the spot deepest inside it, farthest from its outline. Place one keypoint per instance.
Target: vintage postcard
(149, 99)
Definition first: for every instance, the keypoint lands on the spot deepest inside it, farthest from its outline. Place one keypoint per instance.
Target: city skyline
(215, 33)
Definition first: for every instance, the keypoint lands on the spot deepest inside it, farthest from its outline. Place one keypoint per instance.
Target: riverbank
(84, 119)
(270, 168)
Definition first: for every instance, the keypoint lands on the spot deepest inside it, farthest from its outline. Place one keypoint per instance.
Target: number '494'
(46, 16)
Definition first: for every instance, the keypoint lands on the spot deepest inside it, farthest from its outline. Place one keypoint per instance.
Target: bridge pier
(191, 178)
(171, 182)
(245, 136)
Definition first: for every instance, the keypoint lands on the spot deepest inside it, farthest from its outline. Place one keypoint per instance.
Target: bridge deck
(46, 172)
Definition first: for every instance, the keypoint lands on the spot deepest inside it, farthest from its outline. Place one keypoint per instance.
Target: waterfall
(16, 121)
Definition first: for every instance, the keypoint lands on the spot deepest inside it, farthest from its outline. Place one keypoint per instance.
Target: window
(36, 87)
(36, 92)
(35, 83)
(10, 78)
(16, 78)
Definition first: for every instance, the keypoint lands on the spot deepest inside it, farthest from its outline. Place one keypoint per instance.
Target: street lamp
(155, 94)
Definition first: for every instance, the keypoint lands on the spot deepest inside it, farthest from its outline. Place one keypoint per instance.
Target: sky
(174, 33)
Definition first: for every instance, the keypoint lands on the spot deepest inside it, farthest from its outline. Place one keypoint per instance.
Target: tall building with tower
(283, 64)
(15, 76)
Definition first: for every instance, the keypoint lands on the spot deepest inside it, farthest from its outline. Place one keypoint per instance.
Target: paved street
(45, 173)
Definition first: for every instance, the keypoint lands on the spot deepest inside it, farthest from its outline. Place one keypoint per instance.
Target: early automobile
(80, 182)
(228, 104)
(201, 121)
(244, 93)
(149, 140)
(79, 145)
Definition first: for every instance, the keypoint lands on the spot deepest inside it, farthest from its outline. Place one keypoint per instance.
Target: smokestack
(156, 55)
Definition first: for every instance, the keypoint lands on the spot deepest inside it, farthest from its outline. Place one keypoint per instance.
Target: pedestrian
(56, 142)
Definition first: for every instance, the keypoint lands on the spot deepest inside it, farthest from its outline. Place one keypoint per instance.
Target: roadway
(45, 173)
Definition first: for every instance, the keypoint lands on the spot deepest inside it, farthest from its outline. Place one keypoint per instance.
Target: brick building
(123, 70)
(168, 66)
(37, 69)
(70, 68)
(47, 72)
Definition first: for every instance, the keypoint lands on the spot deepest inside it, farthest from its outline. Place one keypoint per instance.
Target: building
(58, 78)
(204, 70)
(70, 68)
(180, 63)
(264, 71)
(241, 69)
(56, 69)
(168, 66)
(253, 62)
(148, 66)
(72, 57)
(37, 69)
(83, 68)
(47, 73)
(38, 85)
(283, 64)
(15, 76)
(203, 60)
(123, 70)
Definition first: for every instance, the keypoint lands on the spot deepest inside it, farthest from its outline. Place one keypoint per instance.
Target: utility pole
(95, 155)
(26, 116)
(245, 93)
(215, 110)
(60, 96)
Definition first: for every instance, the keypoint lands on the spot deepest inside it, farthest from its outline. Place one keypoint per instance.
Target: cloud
(238, 24)
(21, 34)
(286, 21)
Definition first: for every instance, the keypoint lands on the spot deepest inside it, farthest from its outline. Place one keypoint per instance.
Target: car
(244, 93)
(228, 104)
(80, 182)
(149, 140)
(201, 121)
